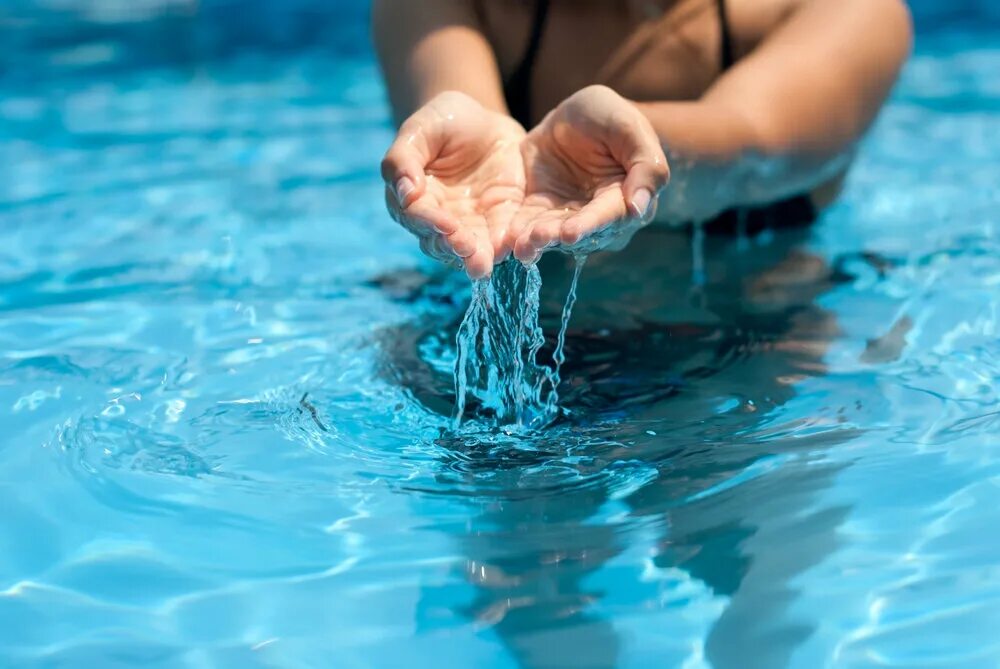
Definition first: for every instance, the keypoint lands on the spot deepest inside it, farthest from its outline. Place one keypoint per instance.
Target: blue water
(226, 396)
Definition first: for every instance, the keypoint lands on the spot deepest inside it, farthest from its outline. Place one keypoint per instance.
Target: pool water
(226, 397)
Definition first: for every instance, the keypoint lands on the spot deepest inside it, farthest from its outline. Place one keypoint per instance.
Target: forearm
(432, 46)
(719, 160)
(788, 116)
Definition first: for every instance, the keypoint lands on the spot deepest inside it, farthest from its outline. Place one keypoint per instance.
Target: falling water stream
(498, 344)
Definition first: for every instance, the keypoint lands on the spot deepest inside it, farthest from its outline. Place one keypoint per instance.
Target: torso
(647, 50)
(644, 49)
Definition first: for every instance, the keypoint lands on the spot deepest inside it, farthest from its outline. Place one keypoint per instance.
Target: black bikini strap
(726, 46)
(537, 30)
(518, 87)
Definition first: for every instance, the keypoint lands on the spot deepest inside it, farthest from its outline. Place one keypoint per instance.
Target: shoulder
(753, 21)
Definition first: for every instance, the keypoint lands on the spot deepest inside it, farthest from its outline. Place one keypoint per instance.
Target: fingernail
(404, 187)
(641, 201)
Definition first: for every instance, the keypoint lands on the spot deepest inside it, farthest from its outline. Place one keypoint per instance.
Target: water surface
(226, 393)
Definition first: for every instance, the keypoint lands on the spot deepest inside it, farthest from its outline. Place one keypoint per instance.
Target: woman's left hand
(593, 164)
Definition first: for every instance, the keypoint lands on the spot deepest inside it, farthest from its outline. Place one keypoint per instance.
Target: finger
(417, 143)
(499, 222)
(478, 260)
(542, 233)
(438, 249)
(413, 224)
(520, 223)
(642, 186)
(604, 210)
(463, 242)
(434, 248)
(443, 232)
(480, 263)
(647, 172)
(423, 217)
(500, 243)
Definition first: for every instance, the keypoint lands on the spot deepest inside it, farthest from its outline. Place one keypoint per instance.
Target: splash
(559, 356)
(498, 344)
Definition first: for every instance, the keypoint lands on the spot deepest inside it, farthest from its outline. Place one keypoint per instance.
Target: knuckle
(390, 164)
(662, 173)
(412, 124)
(599, 89)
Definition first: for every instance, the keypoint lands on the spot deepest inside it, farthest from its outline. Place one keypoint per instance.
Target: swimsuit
(517, 89)
(517, 92)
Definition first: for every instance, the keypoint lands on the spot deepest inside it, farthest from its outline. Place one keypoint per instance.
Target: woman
(757, 104)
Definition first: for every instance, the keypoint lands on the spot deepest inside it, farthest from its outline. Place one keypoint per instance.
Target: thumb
(417, 143)
(646, 168)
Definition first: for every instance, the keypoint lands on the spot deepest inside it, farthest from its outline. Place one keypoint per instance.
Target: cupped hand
(455, 178)
(594, 167)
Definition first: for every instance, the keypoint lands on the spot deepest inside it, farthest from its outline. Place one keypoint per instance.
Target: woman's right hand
(454, 177)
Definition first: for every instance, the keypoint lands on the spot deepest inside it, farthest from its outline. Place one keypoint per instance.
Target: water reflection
(685, 449)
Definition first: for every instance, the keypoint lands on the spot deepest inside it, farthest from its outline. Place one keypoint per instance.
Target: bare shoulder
(753, 21)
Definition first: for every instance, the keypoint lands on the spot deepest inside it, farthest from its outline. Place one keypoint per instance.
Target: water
(497, 347)
(226, 392)
(498, 343)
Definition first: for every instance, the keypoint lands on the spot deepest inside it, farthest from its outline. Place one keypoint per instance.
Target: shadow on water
(684, 449)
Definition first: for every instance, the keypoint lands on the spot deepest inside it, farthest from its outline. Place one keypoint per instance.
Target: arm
(454, 175)
(461, 174)
(785, 118)
(427, 47)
